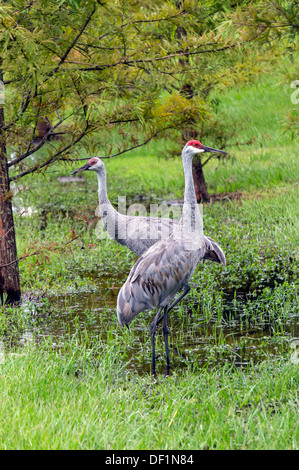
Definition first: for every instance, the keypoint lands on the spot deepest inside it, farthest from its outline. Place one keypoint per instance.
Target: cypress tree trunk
(200, 185)
(9, 275)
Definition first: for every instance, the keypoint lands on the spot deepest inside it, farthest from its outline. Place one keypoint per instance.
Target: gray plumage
(167, 266)
(157, 276)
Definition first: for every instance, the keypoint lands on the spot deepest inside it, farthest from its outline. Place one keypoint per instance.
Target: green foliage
(167, 114)
(268, 20)
(104, 70)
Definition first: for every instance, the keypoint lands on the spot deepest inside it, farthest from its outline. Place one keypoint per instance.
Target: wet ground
(195, 341)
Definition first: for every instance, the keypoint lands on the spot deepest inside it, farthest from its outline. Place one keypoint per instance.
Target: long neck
(191, 219)
(104, 203)
(102, 187)
(189, 196)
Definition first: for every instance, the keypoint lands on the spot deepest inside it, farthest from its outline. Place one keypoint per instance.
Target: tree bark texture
(200, 185)
(9, 275)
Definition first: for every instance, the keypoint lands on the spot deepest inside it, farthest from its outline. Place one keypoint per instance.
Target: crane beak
(83, 168)
(210, 149)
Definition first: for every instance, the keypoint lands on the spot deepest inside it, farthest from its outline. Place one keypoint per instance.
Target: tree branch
(135, 147)
(37, 147)
(154, 21)
(206, 161)
(51, 159)
(124, 151)
(22, 110)
(169, 56)
(63, 58)
(41, 250)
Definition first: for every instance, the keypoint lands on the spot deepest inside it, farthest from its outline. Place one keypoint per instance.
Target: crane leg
(165, 334)
(153, 329)
(180, 297)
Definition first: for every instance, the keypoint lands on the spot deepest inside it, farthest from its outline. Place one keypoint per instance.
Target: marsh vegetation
(66, 364)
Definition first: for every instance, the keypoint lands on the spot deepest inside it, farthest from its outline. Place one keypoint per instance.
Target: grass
(235, 376)
(75, 399)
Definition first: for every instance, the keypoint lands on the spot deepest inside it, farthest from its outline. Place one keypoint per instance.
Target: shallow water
(195, 341)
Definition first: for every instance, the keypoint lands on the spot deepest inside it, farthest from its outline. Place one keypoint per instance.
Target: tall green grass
(77, 398)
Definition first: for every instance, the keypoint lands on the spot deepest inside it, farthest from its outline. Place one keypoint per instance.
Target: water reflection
(195, 341)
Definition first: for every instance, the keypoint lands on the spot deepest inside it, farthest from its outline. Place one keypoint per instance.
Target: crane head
(194, 147)
(94, 164)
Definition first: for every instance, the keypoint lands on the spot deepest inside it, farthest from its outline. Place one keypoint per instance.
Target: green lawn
(82, 399)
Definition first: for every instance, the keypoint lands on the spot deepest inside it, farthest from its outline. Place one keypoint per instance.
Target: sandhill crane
(140, 233)
(166, 268)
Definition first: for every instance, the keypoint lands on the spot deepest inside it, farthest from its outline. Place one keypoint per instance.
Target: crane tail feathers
(214, 252)
(127, 307)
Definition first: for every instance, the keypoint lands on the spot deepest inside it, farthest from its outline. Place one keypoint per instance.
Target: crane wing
(155, 278)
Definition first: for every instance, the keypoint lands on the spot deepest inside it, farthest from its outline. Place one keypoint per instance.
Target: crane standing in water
(167, 266)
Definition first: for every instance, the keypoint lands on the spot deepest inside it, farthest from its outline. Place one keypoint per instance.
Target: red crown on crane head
(195, 143)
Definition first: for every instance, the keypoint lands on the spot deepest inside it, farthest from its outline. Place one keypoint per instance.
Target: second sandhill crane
(166, 268)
